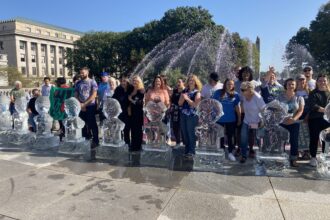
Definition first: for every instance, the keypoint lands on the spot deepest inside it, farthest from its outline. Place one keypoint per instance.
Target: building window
(60, 61)
(43, 71)
(48, 33)
(23, 70)
(3, 27)
(60, 50)
(33, 46)
(33, 58)
(43, 59)
(52, 71)
(1, 45)
(22, 45)
(52, 49)
(56, 34)
(52, 60)
(22, 57)
(64, 36)
(28, 29)
(38, 31)
(43, 48)
(61, 71)
(34, 70)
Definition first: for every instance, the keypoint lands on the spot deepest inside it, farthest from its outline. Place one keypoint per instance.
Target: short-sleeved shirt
(45, 90)
(252, 109)
(186, 108)
(293, 103)
(17, 93)
(85, 89)
(208, 90)
(228, 105)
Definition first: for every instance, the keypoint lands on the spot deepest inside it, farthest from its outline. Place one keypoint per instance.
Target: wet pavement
(154, 185)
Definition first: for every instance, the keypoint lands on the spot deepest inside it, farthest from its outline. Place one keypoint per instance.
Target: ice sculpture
(272, 137)
(209, 155)
(44, 138)
(73, 142)
(323, 166)
(112, 126)
(16, 133)
(155, 129)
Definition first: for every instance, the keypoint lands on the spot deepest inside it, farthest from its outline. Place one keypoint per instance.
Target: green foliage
(316, 40)
(173, 76)
(14, 75)
(122, 52)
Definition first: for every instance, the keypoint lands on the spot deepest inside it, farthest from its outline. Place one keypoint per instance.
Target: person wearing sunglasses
(308, 72)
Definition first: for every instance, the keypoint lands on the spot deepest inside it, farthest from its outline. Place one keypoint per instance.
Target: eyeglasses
(243, 90)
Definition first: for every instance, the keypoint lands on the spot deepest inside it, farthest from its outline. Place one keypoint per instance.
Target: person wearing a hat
(212, 86)
(308, 72)
(103, 90)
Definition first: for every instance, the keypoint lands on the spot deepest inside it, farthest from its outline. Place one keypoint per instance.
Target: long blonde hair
(198, 84)
(138, 78)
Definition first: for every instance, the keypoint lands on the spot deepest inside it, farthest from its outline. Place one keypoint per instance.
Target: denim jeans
(31, 122)
(188, 125)
(294, 136)
(244, 139)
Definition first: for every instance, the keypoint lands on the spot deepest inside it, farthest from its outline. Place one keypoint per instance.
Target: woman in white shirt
(252, 104)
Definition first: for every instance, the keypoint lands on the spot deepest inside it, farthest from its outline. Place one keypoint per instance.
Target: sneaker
(313, 162)
(293, 163)
(231, 157)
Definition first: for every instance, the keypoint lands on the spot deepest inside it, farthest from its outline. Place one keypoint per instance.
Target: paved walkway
(49, 186)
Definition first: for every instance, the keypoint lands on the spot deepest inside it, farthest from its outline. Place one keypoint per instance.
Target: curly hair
(246, 69)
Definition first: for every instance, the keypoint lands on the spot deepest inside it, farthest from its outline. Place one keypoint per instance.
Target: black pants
(136, 124)
(230, 128)
(88, 117)
(316, 125)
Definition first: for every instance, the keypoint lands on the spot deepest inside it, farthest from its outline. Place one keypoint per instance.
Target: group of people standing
(242, 99)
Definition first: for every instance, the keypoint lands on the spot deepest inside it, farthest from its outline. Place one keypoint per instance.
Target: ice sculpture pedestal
(323, 166)
(271, 157)
(156, 136)
(209, 155)
(19, 136)
(45, 140)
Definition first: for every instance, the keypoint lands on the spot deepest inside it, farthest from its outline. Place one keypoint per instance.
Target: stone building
(35, 48)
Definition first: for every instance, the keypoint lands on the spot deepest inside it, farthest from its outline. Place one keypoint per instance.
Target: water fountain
(211, 50)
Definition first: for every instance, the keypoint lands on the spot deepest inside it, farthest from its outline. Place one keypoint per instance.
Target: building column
(39, 64)
(48, 64)
(28, 59)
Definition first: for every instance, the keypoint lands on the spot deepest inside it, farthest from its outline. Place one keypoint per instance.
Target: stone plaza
(47, 185)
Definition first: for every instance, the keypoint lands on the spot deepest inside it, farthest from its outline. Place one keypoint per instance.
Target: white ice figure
(323, 166)
(73, 143)
(45, 139)
(155, 129)
(209, 155)
(272, 139)
(5, 117)
(112, 126)
(19, 135)
(208, 131)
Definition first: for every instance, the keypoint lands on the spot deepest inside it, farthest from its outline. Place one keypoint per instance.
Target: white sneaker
(313, 162)
(231, 157)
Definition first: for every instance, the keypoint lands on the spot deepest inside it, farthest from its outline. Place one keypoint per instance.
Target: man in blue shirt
(102, 92)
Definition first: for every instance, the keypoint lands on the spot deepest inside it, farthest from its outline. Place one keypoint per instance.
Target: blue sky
(274, 21)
